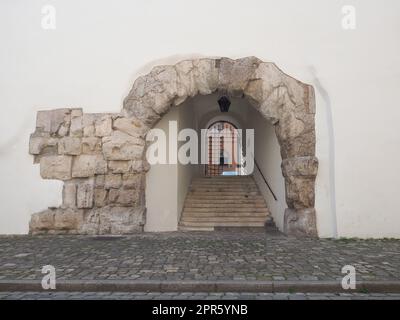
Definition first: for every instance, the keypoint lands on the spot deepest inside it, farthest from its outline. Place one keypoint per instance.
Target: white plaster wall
(185, 171)
(162, 187)
(100, 47)
(268, 157)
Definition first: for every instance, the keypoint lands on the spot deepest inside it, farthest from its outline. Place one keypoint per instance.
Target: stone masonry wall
(99, 158)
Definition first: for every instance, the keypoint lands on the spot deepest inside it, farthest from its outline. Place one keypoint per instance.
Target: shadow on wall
(331, 142)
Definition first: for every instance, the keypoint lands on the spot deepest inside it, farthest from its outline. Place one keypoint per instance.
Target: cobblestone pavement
(197, 256)
(192, 296)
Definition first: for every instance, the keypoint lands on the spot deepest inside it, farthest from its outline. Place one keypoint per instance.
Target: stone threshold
(202, 286)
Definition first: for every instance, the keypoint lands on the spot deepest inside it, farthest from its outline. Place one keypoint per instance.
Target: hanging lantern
(224, 103)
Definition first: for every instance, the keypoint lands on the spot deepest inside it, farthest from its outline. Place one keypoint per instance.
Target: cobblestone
(188, 296)
(188, 256)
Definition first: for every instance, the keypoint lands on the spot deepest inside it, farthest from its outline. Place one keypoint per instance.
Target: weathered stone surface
(119, 166)
(88, 165)
(91, 145)
(69, 220)
(88, 123)
(69, 194)
(38, 144)
(115, 144)
(132, 181)
(300, 222)
(113, 181)
(85, 194)
(100, 180)
(121, 146)
(300, 166)
(114, 220)
(69, 146)
(103, 126)
(100, 197)
(123, 197)
(206, 75)
(76, 128)
(299, 192)
(55, 122)
(234, 75)
(130, 126)
(41, 222)
(56, 167)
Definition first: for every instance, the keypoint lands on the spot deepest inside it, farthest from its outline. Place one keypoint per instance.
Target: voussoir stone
(234, 75)
(56, 167)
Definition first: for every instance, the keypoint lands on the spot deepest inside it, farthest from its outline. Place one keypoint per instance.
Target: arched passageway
(102, 160)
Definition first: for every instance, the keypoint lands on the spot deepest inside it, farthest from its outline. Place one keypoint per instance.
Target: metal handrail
(265, 180)
(262, 175)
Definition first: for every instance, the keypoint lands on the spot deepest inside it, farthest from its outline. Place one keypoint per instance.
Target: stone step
(223, 189)
(225, 202)
(212, 197)
(195, 228)
(221, 224)
(224, 193)
(230, 209)
(248, 205)
(224, 219)
(195, 214)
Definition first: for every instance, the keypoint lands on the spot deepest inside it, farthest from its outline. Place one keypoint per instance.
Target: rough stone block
(56, 167)
(55, 122)
(68, 219)
(130, 126)
(300, 166)
(70, 146)
(91, 145)
(132, 181)
(100, 197)
(103, 126)
(114, 220)
(38, 144)
(41, 222)
(88, 165)
(119, 166)
(121, 146)
(76, 128)
(100, 180)
(88, 121)
(123, 197)
(85, 194)
(300, 222)
(69, 195)
(300, 192)
(113, 181)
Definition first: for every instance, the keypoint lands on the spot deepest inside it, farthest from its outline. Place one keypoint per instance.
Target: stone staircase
(224, 202)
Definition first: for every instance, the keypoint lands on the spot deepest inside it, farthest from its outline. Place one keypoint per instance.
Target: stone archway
(100, 157)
